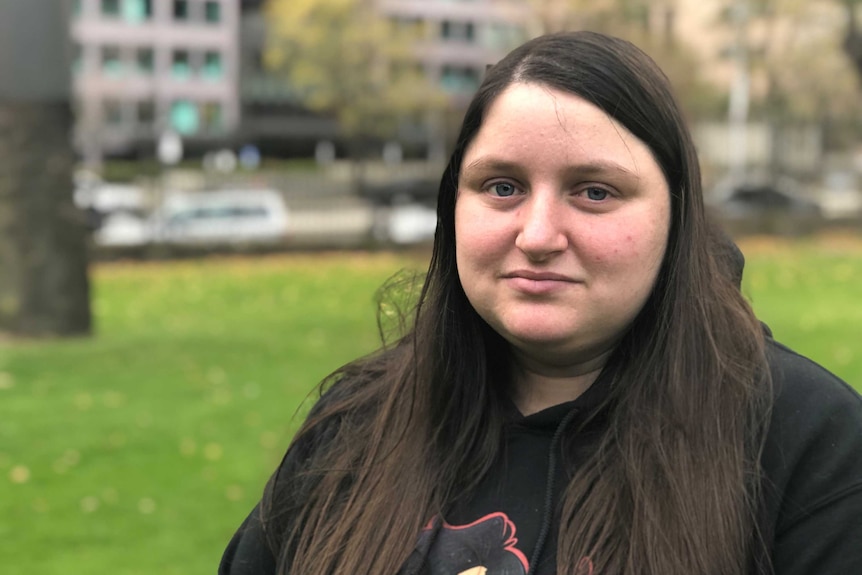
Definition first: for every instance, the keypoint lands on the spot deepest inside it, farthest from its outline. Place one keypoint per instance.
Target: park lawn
(809, 293)
(141, 449)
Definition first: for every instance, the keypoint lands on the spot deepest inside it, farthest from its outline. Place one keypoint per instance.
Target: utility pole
(44, 289)
(739, 93)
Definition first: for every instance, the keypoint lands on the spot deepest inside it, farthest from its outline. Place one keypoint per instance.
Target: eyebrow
(589, 168)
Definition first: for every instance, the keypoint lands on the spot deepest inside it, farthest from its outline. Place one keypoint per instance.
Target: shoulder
(816, 422)
(812, 406)
(812, 462)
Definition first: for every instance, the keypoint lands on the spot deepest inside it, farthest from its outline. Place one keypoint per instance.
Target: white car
(123, 228)
(257, 216)
(409, 224)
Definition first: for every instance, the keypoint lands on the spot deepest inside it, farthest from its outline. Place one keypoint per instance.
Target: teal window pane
(212, 11)
(181, 67)
(213, 68)
(459, 80)
(145, 61)
(112, 63)
(184, 117)
(111, 8)
(135, 11)
(181, 10)
(77, 59)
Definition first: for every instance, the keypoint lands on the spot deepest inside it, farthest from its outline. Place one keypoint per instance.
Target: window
(181, 65)
(184, 117)
(212, 65)
(76, 8)
(137, 10)
(111, 8)
(112, 113)
(459, 79)
(464, 31)
(181, 10)
(77, 59)
(146, 112)
(212, 11)
(145, 61)
(211, 117)
(112, 61)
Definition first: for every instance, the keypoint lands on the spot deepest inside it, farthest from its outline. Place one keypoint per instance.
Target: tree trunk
(853, 37)
(44, 288)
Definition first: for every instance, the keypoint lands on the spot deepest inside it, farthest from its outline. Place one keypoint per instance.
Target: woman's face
(561, 223)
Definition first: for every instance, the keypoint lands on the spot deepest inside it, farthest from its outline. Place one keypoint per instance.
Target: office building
(141, 67)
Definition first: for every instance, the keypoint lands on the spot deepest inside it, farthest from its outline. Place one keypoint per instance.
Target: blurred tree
(853, 37)
(799, 72)
(344, 58)
(647, 23)
(44, 288)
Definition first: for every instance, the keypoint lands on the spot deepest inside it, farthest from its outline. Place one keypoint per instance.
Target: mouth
(539, 276)
(538, 284)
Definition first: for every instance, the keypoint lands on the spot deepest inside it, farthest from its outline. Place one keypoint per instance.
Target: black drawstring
(549, 493)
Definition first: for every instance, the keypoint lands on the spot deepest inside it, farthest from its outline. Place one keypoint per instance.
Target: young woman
(583, 390)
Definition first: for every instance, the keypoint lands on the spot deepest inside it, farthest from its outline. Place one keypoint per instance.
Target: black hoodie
(811, 519)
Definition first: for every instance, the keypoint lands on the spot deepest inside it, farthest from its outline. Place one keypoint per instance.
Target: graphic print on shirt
(484, 547)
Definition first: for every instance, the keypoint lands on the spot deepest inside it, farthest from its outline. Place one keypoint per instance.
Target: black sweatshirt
(812, 462)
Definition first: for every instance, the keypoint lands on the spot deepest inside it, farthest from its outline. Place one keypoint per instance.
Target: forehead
(529, 120)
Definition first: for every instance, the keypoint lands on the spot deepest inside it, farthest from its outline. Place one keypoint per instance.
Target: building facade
(458, 39)
(141, 67)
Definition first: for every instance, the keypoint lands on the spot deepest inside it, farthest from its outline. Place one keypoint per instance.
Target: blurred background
(346, 110)
(200, 198)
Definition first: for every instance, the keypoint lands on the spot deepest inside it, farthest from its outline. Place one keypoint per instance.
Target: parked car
(423, 191)
(123, 228)
(766, 206)
(106, 197)
(407, 224)
(748, 200)
(841, 195)
(257, 216)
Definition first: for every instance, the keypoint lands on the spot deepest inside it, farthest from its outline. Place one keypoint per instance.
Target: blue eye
(503, 189)
(597, 194)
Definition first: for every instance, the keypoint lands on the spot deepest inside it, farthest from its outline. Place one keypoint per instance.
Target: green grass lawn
(138, 451)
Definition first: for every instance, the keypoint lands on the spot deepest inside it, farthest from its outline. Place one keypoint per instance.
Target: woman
(584, 390)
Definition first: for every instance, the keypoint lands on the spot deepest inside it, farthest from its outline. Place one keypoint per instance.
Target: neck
(540, 386)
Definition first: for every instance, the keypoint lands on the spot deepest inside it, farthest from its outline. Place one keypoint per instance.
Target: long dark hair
(673, 486)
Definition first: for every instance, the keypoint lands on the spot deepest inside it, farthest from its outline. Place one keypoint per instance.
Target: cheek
(478, 237)
(628, 247)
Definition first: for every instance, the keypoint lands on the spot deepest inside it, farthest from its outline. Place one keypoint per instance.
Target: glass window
(145, 61)
(184, 117)
(76, 8)
(112, 61)
(111, 8)
(213, 68)
(459, 79)
(212, 11)
(465, 31)
(112, 113)
(77, 59)
(211, 117)
(181, 10)
(146, 110)
(137, 10)
(180, 64)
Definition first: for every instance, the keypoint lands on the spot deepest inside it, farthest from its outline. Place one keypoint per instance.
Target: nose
(541, 233)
